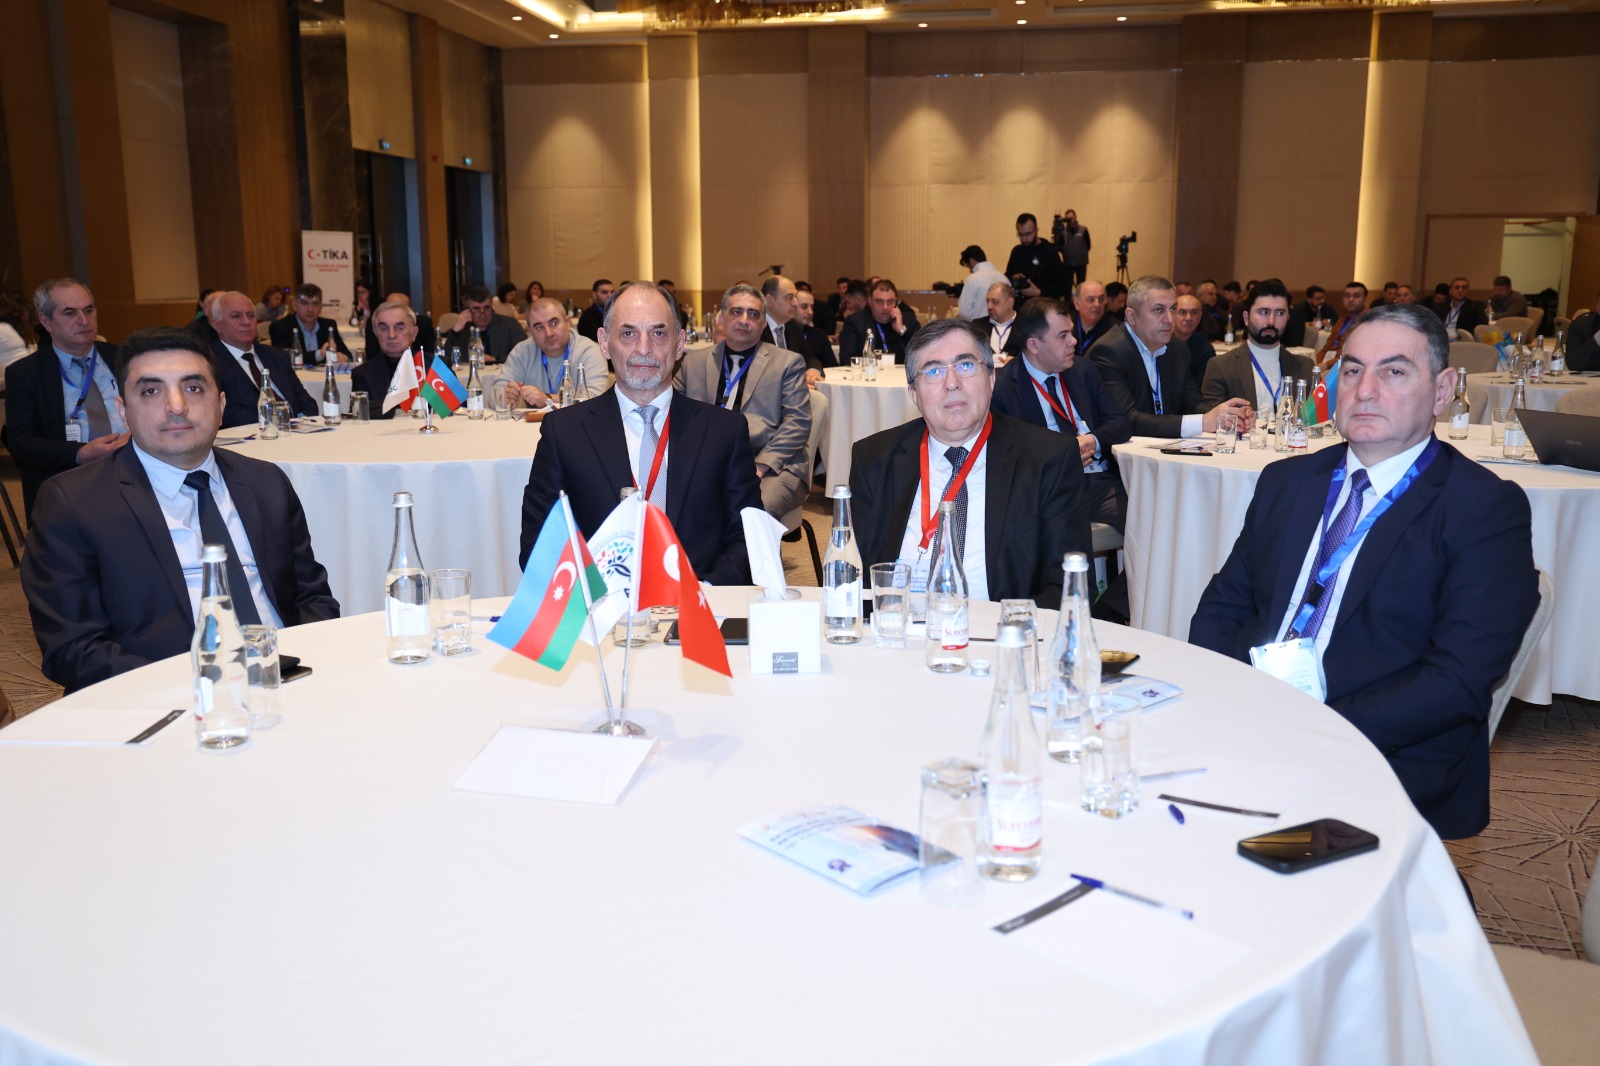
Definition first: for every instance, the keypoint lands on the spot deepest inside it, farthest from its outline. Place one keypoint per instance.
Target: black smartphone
(1113, 662)
(291, 669)
(1301, 847)
(734, 631)
(1184, 451)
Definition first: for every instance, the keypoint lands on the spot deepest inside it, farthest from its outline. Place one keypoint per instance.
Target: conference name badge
(1294, 662)
(74, 433)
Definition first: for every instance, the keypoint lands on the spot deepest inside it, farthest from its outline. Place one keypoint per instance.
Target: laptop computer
(1562, 439)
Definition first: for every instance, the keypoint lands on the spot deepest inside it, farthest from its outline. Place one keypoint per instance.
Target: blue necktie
(1343, 523)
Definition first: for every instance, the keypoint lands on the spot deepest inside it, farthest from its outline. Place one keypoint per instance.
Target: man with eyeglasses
(1018, 488)
(767, 385)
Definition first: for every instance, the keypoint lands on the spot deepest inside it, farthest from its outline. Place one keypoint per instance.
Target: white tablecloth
(1184, 513)
(858, 409)
(467, 479)
(313, 380)
(1488, 391)
(324, 896)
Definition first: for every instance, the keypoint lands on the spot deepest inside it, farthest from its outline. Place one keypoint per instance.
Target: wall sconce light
(383, 146)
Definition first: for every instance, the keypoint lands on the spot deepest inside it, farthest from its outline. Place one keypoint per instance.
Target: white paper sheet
(88, 726)
(1132, 946)
(557, 765)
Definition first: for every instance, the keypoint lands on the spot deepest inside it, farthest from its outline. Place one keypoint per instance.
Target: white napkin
(761, 535)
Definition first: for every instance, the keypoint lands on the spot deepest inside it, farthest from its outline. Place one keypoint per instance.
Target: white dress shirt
(1193, 425)
(181, 509)
(633, 429)
(999, 332)
(1095, 465)
(974, 559)
(105, 383)
(1385, 475)
(243, 357)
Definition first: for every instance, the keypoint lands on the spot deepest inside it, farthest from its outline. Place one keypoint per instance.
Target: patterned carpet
(1528, 871)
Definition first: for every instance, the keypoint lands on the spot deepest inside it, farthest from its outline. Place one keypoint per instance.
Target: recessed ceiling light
(1022, 22)
(516, 18)
(1021, 2)
(1122, 18)
(922, 25)
(555, 36)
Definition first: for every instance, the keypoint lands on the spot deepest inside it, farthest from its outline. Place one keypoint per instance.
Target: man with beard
(691, 459)
(1034, 266)
(1254, 371)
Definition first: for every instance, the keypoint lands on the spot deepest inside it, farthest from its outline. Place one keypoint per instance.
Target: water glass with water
(1227, 435)
(360, 407)
(1497, 426)
(1110, 758)
(952, 806)
(264, 692)
(891, 603)
(450, 610)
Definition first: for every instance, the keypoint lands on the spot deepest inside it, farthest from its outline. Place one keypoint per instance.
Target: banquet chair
(1476, 358)
(1563, 324)
(7, 715)
(1556, 997)
(795, 522)
(1535, 316)
(447, 322)
(1519, 662)
(1512, 325)
(1579, 402)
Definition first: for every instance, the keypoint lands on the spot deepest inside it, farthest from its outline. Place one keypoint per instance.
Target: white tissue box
(785, 637)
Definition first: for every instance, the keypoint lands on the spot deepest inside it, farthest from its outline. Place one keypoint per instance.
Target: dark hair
(14, 312)
(476, 294)
(842, 277)
(1358, 285)
(270, 290)
(528, 292)
(1315, 290)
(1233, 286)
(162, 339)
(1413, 317)
(1117, 288)
(1033, 321)
(308, 291)
(1390, 285)
(1270, 287)
(885, 285)
(770, 286)
(802, 286)
(938, 328)
(1027, 216)
(1503, 280)
(855, 287)
(972, 251)
(599, 282)
(504, 290)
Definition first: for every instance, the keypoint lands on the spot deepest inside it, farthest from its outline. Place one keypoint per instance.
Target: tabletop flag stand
(639, 556)
(1319, 403)
(403, 386)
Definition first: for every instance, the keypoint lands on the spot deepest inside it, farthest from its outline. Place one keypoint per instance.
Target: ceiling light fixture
(516, 18)
(1022, 22)
(1122, 18)
(922, 25)
(555, 36)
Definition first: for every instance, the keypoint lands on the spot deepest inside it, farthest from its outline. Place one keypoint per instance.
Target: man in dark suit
(1354, 302)
(1025, 482)
(396, 327)
(1001, 325)
(1311, 313)
(1146, 379)
(1188, 319)
(814, 343)
(1050, 386)
(1583, 343)
(593, 316)
(831, 312)
(1254, 371)
(61, 401)
(592, 450)
(1397, 629)
(1089, 319)
(427, 336)
(885, 321)
(244, 362)
(317, 334)
(1458, 310)
(112, 570)
(499, 333)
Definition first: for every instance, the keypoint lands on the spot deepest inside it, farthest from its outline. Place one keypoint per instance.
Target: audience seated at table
(317, 334)
(426, 334)
(1415, 627)
(1458, 310)
(1187, 318)
(1254, 371)
(814, 344)
(274, 304)
(244, 362)
(112, 567)
(593, 316)
(395, 326)
(499, 333)
(1354, 301)
(537, 364)
(885, 321)
(1505, 301)
(1020, 506)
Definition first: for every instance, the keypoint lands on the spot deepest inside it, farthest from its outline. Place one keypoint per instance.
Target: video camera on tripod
(1122, 254)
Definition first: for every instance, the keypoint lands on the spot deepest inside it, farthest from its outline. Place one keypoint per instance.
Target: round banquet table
(1185, 512)
(1485, 392)
(324, 895)
(467, 479)
(858, 409)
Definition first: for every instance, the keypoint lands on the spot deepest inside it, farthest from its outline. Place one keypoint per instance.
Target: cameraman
(1073, 240)
(1035, 267)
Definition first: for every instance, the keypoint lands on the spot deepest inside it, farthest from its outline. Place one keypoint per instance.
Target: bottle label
(330, 410)
(952, 629)
(1459, 421)
(1015, 806)
(842, 600)
(475, 402)
(406, 619)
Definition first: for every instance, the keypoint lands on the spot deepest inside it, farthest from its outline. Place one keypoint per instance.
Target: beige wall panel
(1298, 193)
(1555, 166)
(464, 88)
(953, 161)
(378, 53)
(1469, 247)
(155, 153)
(755, 198)
(1391, 171)
(577, 192)
(675, 209)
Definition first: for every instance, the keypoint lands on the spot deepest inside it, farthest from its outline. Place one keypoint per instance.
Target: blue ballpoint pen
(1177, 814)
(1125, 894)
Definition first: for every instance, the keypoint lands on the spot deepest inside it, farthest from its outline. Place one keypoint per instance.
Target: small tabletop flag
(442, 389)
(403, 386)
(546, 615)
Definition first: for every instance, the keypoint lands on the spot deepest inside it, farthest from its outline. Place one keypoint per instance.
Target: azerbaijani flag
(546, 615)
(442, 389)
(403, 386)
(1315, 411)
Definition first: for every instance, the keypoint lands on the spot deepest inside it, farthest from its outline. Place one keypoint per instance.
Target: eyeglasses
(752, 313)
(934, 373)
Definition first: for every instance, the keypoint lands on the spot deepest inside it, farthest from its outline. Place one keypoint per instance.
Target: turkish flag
(666, 579)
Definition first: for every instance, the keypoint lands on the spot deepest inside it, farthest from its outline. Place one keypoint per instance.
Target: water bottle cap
(840, 492)
(213, 553)
(1011, 635)
(402, 499)
(1075, 563)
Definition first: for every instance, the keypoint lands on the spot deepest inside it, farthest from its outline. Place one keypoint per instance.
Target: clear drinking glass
(1110, 758)
(952, 806)
(360, 407)
(265, 694)
(1025, 614)
(855, 368)
(891, 607)
(1497, 426)
(1227, 435)
(450, 610)
(503, 392)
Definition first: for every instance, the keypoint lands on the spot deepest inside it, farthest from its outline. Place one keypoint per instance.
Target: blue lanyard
(88, 380)
(559, 377)
(1266, 381)
(1330, 569)
(733, 382)
(882, 337)
(1155, 383)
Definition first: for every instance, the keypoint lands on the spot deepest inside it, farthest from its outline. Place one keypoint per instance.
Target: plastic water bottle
(405, 593)
(216, 656)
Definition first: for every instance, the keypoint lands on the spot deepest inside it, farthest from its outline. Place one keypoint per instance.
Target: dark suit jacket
(827, 314)
(1232, 377)
(104, 587)
(589, 323)
(241, 390)
(1086, 338)
(1015, 396)
(853, 335)
(1034, 509)
(1013, 342)
(36, 418)
(816, 347)
(373, 377)
(1470, 318)
(792, 336)
(1583, 343)
(711, 477)
(1122, 369)
(1041, 262)
(504, 333)
(281, 333)
(426, 336)
(1414, 651)
(1201, 352)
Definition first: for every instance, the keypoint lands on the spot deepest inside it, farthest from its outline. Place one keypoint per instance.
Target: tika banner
(327, 259)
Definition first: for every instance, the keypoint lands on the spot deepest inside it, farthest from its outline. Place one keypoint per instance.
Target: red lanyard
(930, 520)
(1069, 415)
(661, 455)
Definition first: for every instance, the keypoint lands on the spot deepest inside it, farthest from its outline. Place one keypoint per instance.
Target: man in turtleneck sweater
(1254, 371)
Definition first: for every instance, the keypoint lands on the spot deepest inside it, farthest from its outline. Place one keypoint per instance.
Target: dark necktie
(254, 368)
(213, 530)
(778, 339)
(955, 457)
(94, 404)
(1055, 394)
(1343, 523)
